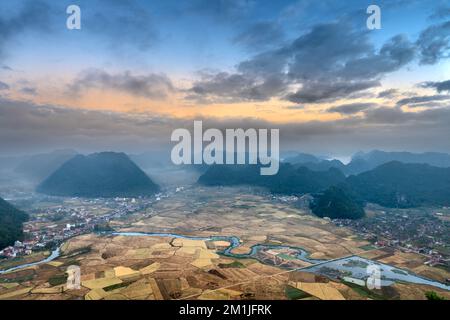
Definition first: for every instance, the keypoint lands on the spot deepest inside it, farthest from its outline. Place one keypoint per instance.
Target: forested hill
(397, 184)
(11, 220)
(106, 174)
(289, 180)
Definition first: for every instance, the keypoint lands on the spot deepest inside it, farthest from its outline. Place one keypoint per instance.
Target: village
(423, 231)
(51, 225)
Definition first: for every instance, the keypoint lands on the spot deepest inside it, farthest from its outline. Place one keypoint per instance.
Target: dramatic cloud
(393, 55)
(434, 43)
(388, 94)
(50, 127)
(351, 108)
(315, 92)
(154, 86)
(330, 61)
(422, 99)
(439, 86)
(45, 127)
(225, 87)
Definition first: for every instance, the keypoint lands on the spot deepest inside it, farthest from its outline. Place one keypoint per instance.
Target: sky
(137, 70)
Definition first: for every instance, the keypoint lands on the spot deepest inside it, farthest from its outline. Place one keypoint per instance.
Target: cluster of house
(40, 239)
(19, 249)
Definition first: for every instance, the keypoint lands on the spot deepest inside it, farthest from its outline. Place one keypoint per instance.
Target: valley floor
(117, 266)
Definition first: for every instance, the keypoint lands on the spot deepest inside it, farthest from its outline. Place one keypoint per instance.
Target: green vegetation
(336, 203)
(294, 293)
(392, 184)
(18, 279)
(14, 262)
(71, 262)
(398, 271)
(234, 264)
(105, 174)
(431, 295)
(368, 247)
(289, 180)
(58, 279)
(116, 286)
(397, 184)
(355, 263)
(103, 228)
(11, 220)
(77, 252)
(286, 256)
(364, 291)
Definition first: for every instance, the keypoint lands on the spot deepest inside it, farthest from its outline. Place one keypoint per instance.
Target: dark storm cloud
(434, 44)
(330, 61)
(351, 108)
(422, 99)
(261, 35)
(154, 86)
(439, 86)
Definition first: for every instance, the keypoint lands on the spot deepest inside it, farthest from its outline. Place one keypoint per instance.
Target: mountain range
(290, 179)
(362, 162)
(392, 184)
(396, 184)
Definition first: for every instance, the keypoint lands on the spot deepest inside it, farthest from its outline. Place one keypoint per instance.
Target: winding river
(352, 266)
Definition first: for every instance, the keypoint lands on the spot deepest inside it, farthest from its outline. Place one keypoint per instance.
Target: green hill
(339, 203)
(289, 180)
(105, 174)
(11, 220)
(397, 184)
